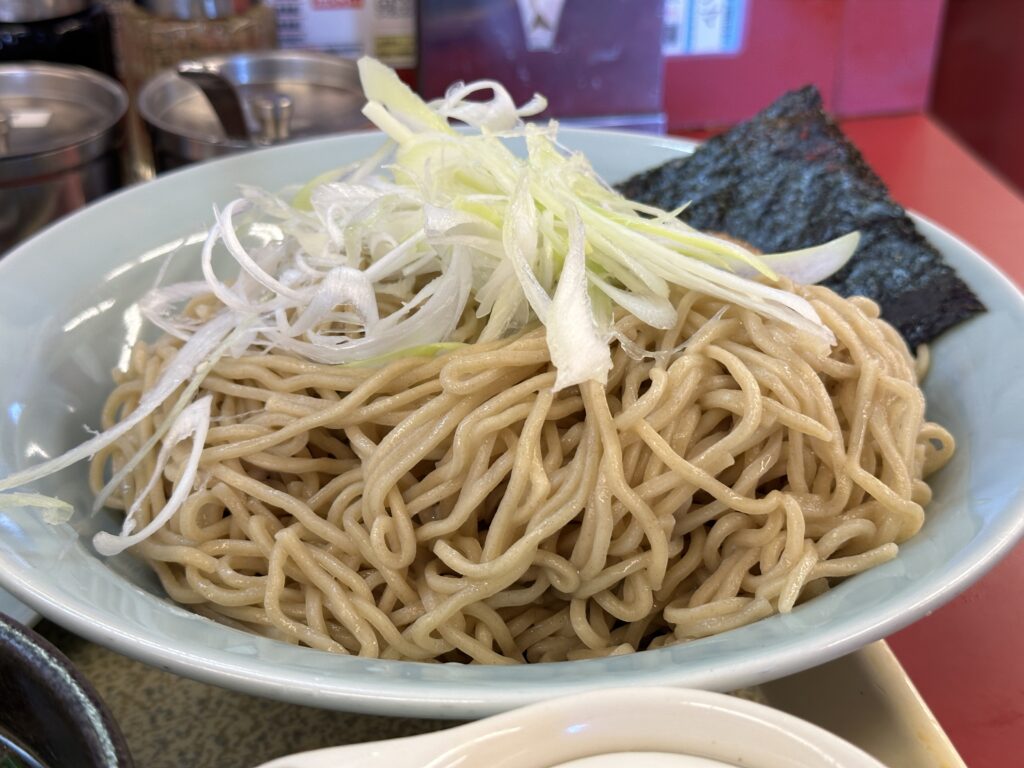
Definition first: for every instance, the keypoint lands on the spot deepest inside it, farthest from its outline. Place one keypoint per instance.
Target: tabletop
(976, 694)
(965, 658)
(171, 722)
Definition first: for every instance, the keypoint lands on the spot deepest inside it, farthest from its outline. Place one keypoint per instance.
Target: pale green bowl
(67, 315)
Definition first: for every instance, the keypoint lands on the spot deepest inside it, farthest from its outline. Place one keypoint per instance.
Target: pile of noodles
(455, 507)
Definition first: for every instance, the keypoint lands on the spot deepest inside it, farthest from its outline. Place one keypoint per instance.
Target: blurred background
(203, 78)
(98, 94)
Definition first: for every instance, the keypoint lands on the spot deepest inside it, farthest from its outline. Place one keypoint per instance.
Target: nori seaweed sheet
(787, 179)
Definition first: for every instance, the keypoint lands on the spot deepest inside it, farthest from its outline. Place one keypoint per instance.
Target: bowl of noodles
(355, 454)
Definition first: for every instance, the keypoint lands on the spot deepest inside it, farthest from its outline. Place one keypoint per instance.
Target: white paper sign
(703, 27)
(383, 28)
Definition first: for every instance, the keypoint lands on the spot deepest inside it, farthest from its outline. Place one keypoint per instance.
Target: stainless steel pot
(61, 129)
(283, 95)
(24, 11)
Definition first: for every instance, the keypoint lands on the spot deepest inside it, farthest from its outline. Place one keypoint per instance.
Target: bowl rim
(726, 730)
(70, 689)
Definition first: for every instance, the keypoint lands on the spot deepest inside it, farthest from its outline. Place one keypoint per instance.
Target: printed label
(703, 27)
(383, 28)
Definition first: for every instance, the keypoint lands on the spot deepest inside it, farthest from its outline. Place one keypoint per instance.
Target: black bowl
(49, 709)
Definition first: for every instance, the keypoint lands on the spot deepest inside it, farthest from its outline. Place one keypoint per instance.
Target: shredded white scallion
(193, 422)
(55, 511)
(446, 221)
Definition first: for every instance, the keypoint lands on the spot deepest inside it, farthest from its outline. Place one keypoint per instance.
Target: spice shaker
(57, 31)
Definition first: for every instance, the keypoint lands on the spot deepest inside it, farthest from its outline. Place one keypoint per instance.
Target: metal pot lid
(196, 9)
(321, 92)
(54, 117)
(24, 11)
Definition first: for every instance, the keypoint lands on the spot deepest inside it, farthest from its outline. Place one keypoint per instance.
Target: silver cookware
(61, 130)
(220, 105)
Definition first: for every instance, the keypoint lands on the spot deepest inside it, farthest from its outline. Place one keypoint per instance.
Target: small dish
(50, 716)
(651, 728)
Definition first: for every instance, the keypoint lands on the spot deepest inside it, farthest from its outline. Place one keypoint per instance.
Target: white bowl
(648, 728)
(67, 313)
(18, 611)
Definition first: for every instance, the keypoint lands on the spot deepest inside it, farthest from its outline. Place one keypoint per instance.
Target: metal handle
(5, 127)
(274, 115)
(222, 97)
(283, 118)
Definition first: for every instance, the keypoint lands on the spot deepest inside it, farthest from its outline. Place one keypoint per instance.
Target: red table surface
(967, 658)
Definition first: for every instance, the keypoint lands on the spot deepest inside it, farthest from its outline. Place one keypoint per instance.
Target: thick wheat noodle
(455, 508)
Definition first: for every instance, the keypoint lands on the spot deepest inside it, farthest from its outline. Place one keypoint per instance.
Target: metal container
(57, 31)
(283, 95)
(61, 129)
(22, 11)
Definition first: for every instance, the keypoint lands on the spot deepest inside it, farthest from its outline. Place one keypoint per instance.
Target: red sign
(336, 5)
